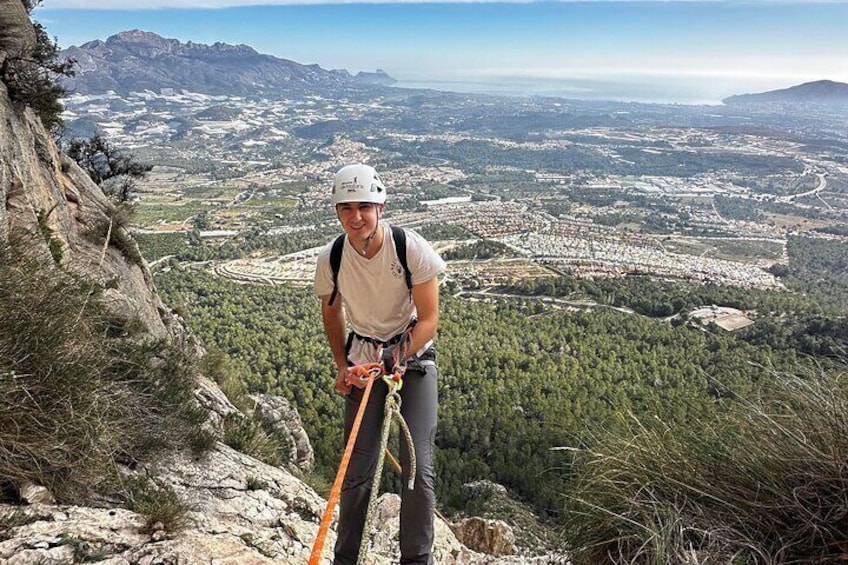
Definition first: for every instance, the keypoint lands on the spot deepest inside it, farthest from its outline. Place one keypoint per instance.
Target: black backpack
(399, 237)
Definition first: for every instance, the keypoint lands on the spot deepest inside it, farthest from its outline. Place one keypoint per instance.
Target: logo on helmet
(351, 186)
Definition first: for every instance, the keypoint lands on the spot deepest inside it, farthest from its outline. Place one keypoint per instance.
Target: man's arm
(334, 327)
(425, 296)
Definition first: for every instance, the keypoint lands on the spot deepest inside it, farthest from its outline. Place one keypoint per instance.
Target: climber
(383, 282)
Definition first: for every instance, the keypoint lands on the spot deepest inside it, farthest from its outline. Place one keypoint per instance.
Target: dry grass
(159, 505)
(766, 483)
(78, 393)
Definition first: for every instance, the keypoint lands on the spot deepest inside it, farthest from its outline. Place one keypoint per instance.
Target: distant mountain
(379, 77)
(140, 60)
(820, 92)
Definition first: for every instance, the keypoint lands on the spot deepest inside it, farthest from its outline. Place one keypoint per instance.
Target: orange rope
(368, 373)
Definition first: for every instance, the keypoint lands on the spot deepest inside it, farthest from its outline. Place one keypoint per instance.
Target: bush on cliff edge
(767, 482)
(79, 392)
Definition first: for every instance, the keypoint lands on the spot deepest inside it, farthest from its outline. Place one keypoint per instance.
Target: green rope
(391, 409)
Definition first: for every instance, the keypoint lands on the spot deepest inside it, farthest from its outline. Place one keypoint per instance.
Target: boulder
(493, 537)
(32, 493)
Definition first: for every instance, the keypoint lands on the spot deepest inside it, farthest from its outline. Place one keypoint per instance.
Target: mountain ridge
(138, 60)
(820, 91)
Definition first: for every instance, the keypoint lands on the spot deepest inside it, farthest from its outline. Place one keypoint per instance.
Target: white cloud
(214, 4)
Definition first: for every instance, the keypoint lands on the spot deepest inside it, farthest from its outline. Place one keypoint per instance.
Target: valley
(592, 189)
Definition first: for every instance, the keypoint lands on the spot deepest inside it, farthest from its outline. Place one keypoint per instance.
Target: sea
(648, 90)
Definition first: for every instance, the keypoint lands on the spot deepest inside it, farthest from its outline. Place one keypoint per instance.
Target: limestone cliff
(17, 35)
(47, 199)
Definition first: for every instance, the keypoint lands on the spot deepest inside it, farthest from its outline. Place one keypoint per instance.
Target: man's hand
(342, 386)
(349, 377)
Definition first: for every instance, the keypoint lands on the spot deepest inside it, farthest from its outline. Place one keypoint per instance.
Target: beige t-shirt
(374, 293)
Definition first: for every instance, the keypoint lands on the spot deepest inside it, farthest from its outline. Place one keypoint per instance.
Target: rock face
(276, 413)
(48, 200)
(17, 35)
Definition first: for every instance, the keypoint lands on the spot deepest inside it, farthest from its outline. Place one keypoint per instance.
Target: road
(819, 188)
(580, 304)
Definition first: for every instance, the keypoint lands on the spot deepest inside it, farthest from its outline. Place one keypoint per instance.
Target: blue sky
(668, 50)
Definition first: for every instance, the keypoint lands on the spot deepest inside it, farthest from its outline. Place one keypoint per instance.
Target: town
(705, 194)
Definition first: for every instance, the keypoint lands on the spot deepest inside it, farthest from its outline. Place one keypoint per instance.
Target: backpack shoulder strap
(335, 265)
(399, 237)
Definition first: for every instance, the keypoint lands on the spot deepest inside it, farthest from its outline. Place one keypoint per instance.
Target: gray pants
(419, 408)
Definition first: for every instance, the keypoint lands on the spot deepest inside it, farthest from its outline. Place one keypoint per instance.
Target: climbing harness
(392, 372)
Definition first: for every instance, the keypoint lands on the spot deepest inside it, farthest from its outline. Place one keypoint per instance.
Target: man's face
(359, 219)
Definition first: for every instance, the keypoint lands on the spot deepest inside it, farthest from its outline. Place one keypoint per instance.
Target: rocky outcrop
(243, 512)
(277, 414)
(260, 508)
(386, 538)
(210, 396)
(53, 208)
(379, 77)
(493, 537)
(17, 36)
(485, 488)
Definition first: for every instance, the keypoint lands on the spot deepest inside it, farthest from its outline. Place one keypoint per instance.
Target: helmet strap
(374, 232)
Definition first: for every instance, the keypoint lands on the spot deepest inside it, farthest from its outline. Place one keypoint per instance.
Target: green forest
(517, 378)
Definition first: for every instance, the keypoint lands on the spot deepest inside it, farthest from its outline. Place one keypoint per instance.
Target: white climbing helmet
(358, 183)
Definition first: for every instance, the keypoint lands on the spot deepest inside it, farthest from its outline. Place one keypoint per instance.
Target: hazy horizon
(670, 51)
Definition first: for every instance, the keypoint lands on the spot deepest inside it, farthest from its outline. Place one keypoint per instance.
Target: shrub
(159, 505)
(11, 518)
(78, 394)
(221, 368)
(248, 436)
(254, 483)
(55, 245)
(84, 551)
(115, 229)
(764, 483)
(115, 171)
